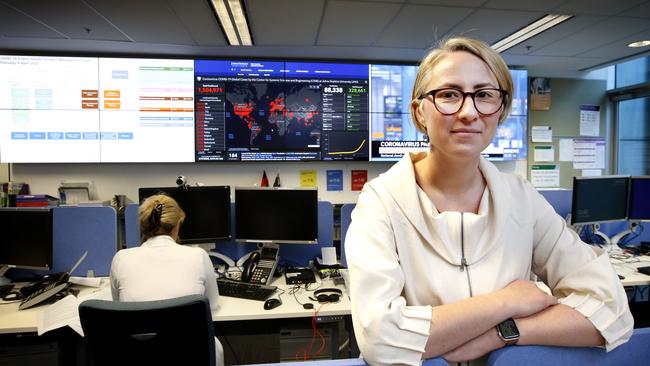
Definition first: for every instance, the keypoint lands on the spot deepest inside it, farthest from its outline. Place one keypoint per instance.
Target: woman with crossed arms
(442, 246)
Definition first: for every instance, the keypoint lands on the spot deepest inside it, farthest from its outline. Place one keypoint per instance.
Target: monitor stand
(632, 229)
(4, 280)
(595, 228)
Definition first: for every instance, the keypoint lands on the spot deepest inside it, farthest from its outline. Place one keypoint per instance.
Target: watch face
(508, 329)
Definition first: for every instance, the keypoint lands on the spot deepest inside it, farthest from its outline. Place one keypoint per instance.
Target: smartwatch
(508, 332)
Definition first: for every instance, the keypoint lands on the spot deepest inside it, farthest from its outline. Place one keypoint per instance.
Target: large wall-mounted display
(392, 132)
(89, 109)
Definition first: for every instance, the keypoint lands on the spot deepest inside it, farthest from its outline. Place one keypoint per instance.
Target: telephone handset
(260, 266)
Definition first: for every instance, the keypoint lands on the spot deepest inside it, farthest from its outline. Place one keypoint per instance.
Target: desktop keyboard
(244, 290)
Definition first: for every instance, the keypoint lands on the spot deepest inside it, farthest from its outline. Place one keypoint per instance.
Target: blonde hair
(475, 47)
(159, 215)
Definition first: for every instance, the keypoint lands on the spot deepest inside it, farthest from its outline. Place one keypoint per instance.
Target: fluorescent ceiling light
(639, 43)
(227, 12)
(538, 26)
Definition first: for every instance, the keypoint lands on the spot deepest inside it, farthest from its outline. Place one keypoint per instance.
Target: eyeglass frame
(432, 93)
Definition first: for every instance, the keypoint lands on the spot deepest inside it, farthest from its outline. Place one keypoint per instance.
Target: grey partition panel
(346, 219)
(79, 229)
(302, 253)
(131, 225)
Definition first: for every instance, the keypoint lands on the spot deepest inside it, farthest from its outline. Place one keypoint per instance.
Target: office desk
(231, 308)
(259, 333)
(250, 334)
(628, 270)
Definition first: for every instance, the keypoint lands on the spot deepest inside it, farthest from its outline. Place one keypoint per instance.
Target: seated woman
(160, 268)
(442, 246)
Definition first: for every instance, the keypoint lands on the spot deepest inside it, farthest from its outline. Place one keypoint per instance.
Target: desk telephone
(47, 287)
(260, 266)
(43, 289)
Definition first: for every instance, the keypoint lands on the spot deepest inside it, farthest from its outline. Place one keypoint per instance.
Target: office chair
(634, 352)
(176, 331)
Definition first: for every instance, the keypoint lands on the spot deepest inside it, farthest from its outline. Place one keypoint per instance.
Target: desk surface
(628, 270)
(230, 309)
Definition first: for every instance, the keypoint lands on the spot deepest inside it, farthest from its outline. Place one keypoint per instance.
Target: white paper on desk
(60, 314)
(65, 312)
(86, 281)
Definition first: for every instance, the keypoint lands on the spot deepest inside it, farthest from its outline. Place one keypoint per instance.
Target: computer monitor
(26, 238)
(276, 215)
(599, 199)
(207, 211)
(639, 201)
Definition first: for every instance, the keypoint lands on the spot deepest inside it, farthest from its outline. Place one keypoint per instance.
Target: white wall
(111, 179)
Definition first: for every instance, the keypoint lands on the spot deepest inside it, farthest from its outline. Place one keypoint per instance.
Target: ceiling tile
(70, 17)
(594, 36)
(492, 25)
(463, 3)
(546, 6)
(268, 29)
(149, 21)
(642, 11)
(619, 48)
(352, 23)
(200, 21)
(419, 26)
(545, 66)
(597, 7)
(16, 24)
(555, 34)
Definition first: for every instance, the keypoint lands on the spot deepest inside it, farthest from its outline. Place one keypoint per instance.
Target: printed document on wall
(566, 149)
(544, 153)
(542, 134)
(589, 120)
(545, 175)
(589, 154)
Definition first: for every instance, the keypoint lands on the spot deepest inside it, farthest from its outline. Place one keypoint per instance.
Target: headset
(326, 295)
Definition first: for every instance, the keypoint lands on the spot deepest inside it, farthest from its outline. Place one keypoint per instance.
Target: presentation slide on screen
(89, 109)
(146, 110)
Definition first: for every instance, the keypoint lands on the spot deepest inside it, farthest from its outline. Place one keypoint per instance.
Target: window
(631, 100)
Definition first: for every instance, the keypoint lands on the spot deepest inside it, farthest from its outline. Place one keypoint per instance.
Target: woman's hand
(477, 347)
(524, 298)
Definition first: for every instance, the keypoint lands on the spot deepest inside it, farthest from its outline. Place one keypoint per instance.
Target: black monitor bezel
(631, 199)
(600, 177)
(275, 240)
(165, 190)
(50, 245)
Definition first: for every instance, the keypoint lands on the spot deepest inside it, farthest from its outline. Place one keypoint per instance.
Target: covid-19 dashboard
(109, 110)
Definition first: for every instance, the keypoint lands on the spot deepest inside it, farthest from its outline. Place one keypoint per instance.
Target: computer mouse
(272, 304)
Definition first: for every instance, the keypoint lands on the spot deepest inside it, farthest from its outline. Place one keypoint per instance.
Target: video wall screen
(392, 133)
(89, 109)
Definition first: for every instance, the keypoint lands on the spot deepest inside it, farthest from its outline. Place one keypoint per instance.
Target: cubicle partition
(80, 229)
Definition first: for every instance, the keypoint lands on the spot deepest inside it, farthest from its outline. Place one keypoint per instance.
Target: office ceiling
(379, 30)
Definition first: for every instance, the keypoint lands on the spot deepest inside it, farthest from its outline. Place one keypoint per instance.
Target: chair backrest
(635, 352)
(176, 331)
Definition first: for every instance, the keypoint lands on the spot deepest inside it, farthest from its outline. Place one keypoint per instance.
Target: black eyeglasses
(448, 101)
